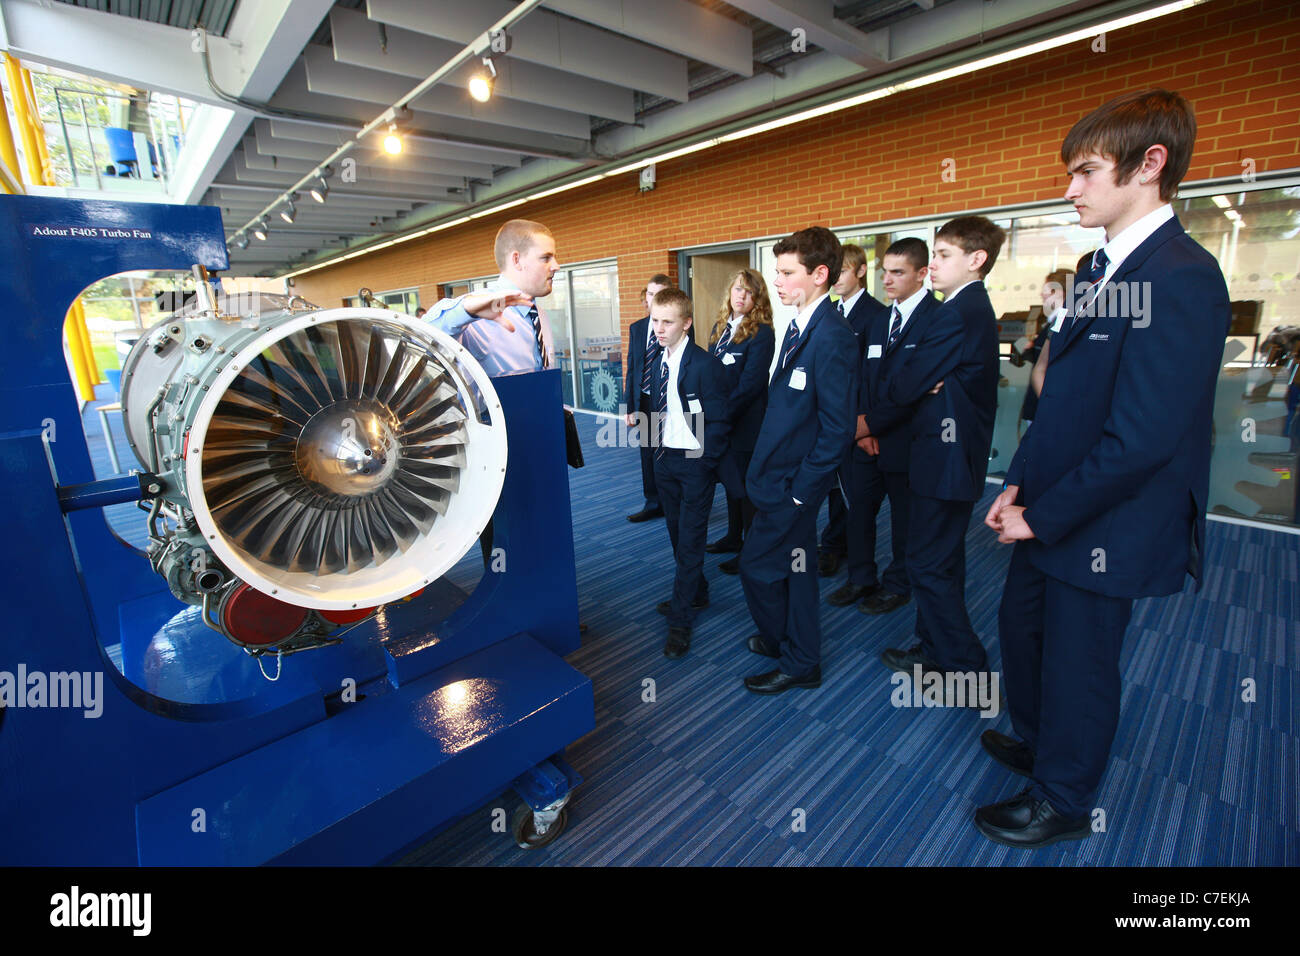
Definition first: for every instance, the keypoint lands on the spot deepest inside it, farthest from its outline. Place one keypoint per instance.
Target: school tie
(652, 352)
(895, 328)
(536, 319)
(723, 340)
(661, 406)
(1092, 277)
(839, 305)
(791, 341)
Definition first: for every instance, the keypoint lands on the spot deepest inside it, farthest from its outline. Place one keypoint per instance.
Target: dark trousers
(731, 473)
(866, 488)
(778, 571)
(895, 578)
(646, 406)
(835, 535)
(686, 494)
(1060, 661)
(936, 566)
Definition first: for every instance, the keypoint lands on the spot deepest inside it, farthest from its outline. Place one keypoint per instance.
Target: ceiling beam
(415, 144)
(407, 53)
(677, 25)
(817, 19)
(294, 95)
(545, 39)
(325, 75)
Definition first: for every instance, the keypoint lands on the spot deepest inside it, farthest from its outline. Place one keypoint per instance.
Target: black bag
(571, 443)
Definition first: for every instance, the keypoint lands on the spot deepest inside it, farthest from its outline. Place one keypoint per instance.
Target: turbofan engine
(310, 465)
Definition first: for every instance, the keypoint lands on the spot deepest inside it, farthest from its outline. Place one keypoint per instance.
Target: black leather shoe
(849, 593)
(882, 602)
(773, 682)
(1013, 754)
(646, 514)
(663, 607)
(723, 546)
(1028, 822)
(760, 646)
(730, 566)
(679, 642)
(905, 661)
(828, 563)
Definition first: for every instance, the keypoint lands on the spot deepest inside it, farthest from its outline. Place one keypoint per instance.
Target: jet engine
(311, 464)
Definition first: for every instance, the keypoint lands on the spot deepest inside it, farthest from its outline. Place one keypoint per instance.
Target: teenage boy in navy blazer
(689, 432)
(1105, 498)
(846, 534)
(642, 353)
(884, 428)
(811, 405)
(952, 379)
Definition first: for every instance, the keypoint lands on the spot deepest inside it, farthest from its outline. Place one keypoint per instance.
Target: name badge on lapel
(798, 379)
(874, 351)
(728, 358)
(694, 405)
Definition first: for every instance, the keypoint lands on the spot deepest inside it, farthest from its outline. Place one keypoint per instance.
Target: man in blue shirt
(501, 326)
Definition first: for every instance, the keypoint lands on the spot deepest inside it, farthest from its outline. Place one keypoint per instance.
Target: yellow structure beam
(92, 367)
(76, 333)
(18, 97)
(38, 130)
(11, 176)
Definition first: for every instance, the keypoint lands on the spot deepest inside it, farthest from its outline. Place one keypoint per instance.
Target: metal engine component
(331, 460)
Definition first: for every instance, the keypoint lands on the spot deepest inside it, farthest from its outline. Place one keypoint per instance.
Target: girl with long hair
(744, 342)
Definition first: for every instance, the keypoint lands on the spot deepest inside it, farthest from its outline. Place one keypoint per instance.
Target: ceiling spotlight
(480, 84)
(241, 241)
(320, 190)
(289, 210)
(260, 229)
(392, 142)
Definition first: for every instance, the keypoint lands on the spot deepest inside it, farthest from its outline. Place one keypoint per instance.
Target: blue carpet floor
(705, 773)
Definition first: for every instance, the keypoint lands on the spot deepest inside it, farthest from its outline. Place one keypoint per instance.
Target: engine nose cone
(349, 448)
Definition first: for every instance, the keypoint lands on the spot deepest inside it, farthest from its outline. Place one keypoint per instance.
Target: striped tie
(895, 327)
(791, 342)
(839, 304)
(723, 340)
(661, 406)
(535, 317)
(1093, 279)
(652, 352)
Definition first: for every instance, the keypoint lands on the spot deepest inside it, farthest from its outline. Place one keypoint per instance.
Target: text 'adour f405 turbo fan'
(309, 477)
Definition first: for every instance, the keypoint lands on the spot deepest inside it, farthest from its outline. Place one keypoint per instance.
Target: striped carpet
(685, 767)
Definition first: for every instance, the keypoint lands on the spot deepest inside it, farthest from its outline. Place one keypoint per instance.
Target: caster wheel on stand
(525, 833)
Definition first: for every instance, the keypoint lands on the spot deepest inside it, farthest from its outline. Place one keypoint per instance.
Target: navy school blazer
(889, 422)
(746, 365)
(864, 315)
(701, 379)
(952, 431)
(636, 342)
(1115, 469)
(807, 430)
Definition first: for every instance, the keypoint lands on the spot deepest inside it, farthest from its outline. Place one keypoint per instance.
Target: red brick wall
(1238, 61)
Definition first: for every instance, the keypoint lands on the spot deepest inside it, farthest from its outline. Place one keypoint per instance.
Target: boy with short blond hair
(688, 432)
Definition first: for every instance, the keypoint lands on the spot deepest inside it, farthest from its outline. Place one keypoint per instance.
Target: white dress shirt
(677, 431)
(1119, 248)
(905, 309)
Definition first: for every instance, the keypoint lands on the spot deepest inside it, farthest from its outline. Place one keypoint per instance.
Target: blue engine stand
(360, 750)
